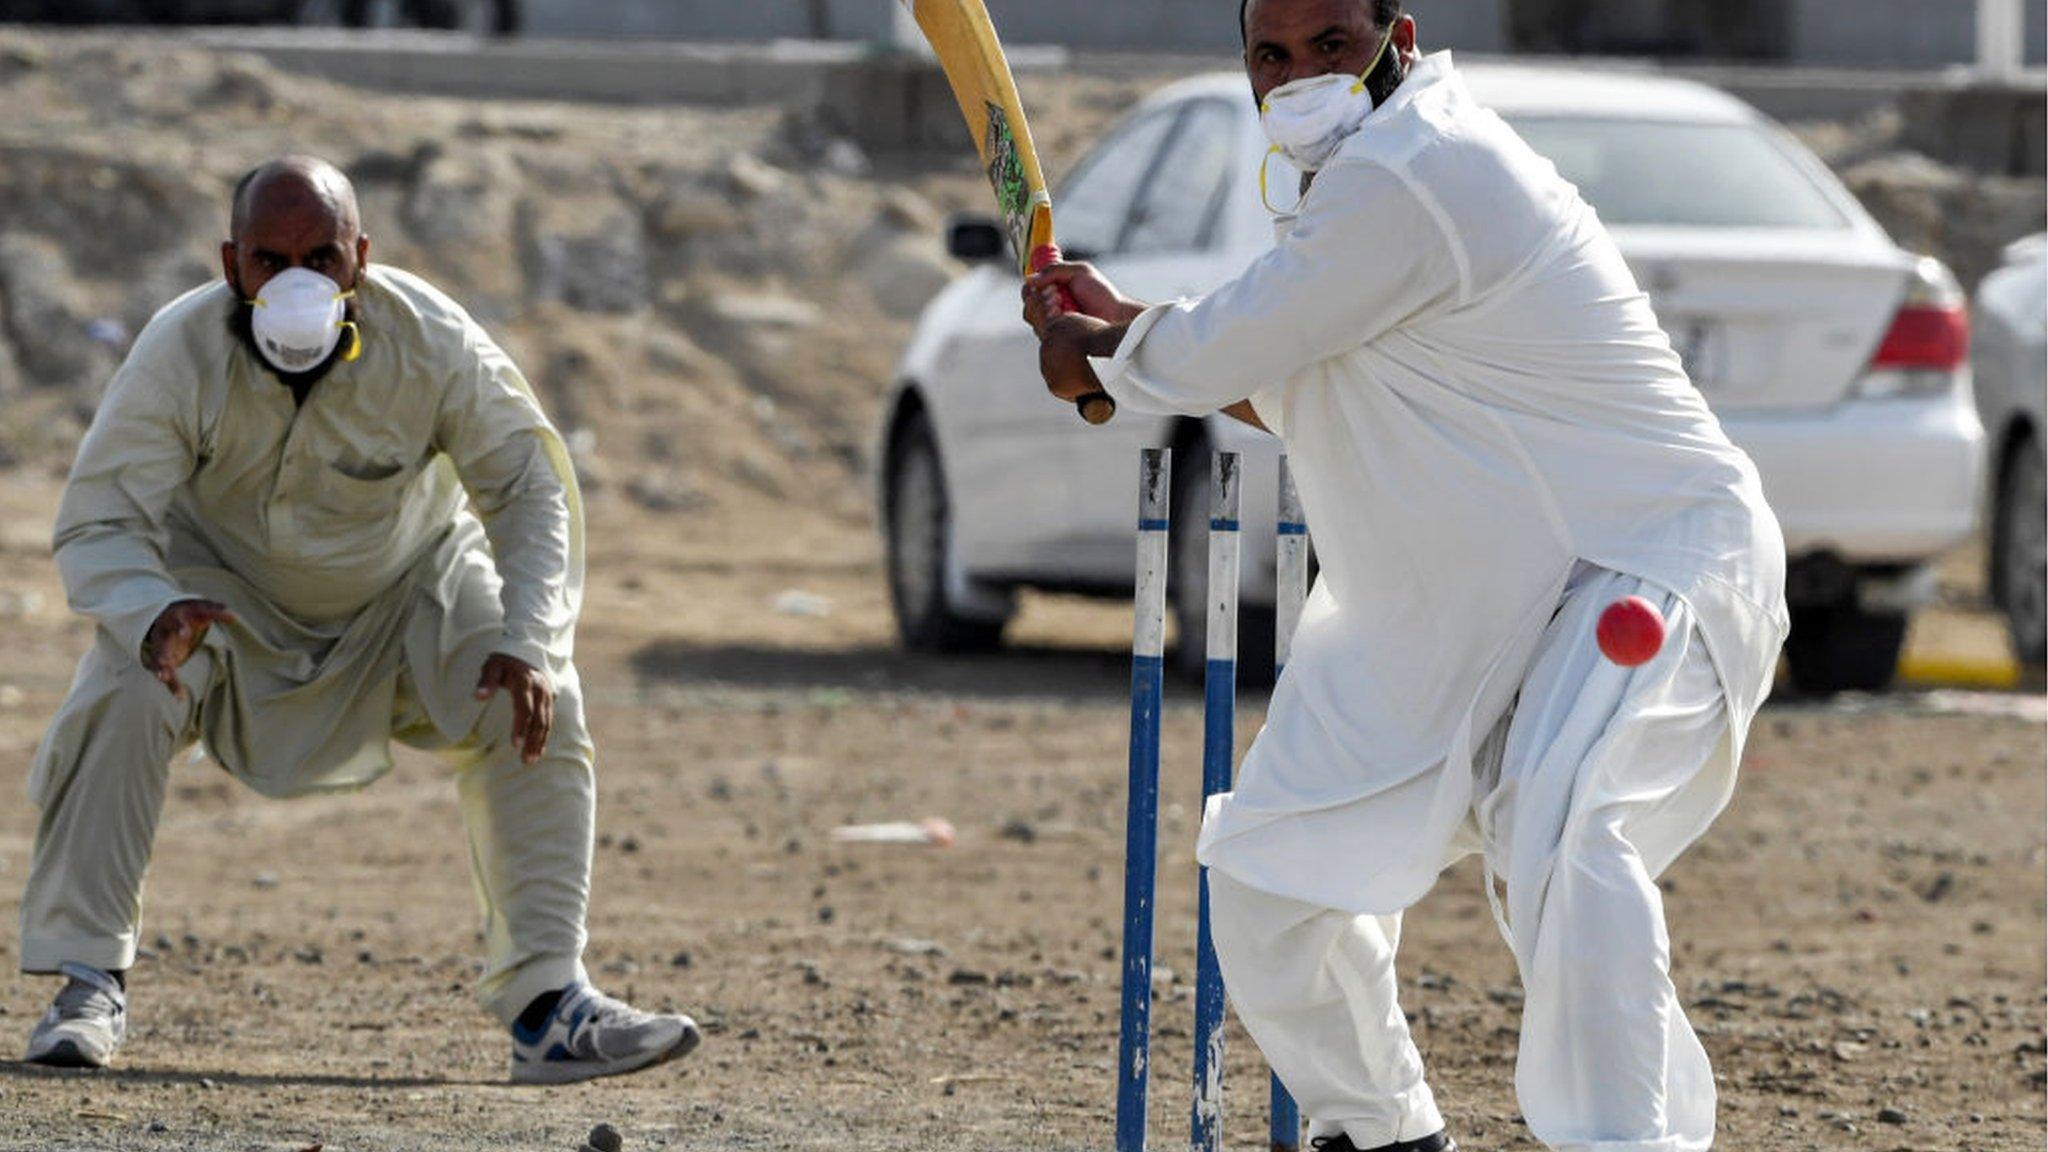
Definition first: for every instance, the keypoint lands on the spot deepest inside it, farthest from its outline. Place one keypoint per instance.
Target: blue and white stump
(1141, 820)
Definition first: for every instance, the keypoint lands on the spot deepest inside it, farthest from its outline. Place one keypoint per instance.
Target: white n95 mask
(298, 319)
(1307, 119)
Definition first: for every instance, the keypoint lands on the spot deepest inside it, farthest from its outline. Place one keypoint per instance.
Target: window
(1673, 173)
(1183, 194)
(1090, 209)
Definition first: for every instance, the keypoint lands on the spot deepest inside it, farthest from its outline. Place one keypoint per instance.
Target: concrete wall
(712, 19)
(1898, 33)
(1205, 26)
(1863, 33)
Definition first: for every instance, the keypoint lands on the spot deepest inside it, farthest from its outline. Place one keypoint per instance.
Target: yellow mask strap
(1264, 162)
(1358, 85)
(355, 341)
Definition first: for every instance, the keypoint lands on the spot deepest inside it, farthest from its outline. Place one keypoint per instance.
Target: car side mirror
(976, 239)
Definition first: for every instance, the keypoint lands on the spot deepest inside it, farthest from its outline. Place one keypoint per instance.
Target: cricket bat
(964, 40)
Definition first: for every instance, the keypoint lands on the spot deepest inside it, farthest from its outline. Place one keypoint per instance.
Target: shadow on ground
(223, 1079)
(1071, 675)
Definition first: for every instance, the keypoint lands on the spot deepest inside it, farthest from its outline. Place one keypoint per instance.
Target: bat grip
(1095, 407)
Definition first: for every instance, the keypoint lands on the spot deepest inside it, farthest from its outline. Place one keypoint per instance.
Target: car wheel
(1187, 580)
(1841, 648)
(2019, 550)
(919, 540)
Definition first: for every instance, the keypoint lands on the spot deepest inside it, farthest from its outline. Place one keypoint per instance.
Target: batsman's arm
(1067, 288)
(1067, 345)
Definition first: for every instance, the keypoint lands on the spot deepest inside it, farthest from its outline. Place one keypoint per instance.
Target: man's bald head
(295, 183)
(294, 212)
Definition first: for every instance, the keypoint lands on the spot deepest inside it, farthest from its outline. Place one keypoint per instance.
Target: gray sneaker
(591, 1035)
(84, 1025)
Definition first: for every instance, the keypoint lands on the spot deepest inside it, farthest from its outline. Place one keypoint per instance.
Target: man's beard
(1386, 76)
(242, 322)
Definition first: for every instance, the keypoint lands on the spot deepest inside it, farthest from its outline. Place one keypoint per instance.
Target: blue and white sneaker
(591, 1035)
(84, 1025)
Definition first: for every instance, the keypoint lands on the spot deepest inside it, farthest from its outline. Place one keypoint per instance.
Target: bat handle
(1095, 407)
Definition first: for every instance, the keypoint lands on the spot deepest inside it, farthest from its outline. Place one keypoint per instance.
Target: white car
(2011, 360)
(1837, 359)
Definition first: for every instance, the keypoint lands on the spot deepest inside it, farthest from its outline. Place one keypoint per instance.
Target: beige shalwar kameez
(377, 544)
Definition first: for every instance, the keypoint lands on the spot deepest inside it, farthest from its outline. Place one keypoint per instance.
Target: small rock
(685, 210)
(767, 310)
(1891, 1116)
(844, 158)
(16, 605)
(753, 178)
(795, 602)
(264, 880)
(604, 1138)
(907, 211)
(665, 490)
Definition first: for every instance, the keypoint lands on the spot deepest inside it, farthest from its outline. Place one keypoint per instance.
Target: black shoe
(1437, 1143)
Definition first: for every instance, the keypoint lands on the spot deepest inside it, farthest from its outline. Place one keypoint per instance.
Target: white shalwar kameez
(417, 514)
(1493, 440)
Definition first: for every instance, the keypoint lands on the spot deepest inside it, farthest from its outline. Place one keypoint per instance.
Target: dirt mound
(710, 301)
(1966, 218)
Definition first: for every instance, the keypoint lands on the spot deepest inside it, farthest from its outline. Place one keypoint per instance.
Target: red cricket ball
(1631, 631)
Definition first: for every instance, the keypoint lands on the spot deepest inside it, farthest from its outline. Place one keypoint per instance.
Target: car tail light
(1925, 338)
(1928, 345)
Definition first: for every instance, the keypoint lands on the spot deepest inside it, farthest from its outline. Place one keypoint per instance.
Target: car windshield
(1653, 172)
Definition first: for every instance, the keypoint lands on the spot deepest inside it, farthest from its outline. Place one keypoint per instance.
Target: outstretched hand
(175, 635)
(533, 701)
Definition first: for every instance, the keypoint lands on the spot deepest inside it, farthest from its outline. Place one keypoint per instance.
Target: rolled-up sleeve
(110, 536)
(521, 483)
(1368, 253)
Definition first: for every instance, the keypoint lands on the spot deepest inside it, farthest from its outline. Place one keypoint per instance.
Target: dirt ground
(1860, 938)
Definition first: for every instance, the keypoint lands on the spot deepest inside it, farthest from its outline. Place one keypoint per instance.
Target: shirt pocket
(368, 493)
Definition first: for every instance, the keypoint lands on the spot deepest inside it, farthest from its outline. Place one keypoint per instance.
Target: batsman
(1494, 441)
(319, 510)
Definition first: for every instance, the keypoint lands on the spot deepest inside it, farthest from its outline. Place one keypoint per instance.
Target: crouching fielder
(319, 511)
(1494, 440)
